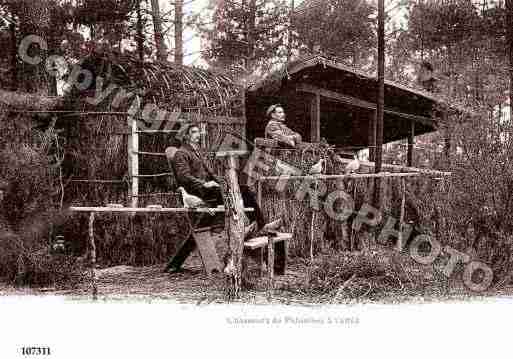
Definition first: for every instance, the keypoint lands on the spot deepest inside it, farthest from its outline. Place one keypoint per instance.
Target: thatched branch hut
(111, 130)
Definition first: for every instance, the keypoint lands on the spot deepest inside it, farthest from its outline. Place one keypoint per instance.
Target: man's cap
(271, 109)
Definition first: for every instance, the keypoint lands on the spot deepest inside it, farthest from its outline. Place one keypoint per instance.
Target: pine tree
(246, 35)
(343, 28)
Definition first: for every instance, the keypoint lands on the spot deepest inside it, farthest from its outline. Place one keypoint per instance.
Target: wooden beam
(151, 210)
(411, 141)
(386, 166)
(315, 118)
(333, 95)
(353, 101)
(354, 175)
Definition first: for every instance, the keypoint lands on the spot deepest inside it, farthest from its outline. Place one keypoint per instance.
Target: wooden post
(133, 160)
(315, 118)
(203, 131)
(259, 192)
(270, 267)
(447, 135)
(235, 219)
(380, 101)
(401, 213)
(372, 138)
(411, 141)
(92, 256)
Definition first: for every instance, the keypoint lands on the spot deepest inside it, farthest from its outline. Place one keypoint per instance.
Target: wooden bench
(280, 241)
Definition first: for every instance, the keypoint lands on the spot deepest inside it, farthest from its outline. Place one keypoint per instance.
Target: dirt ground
(146, 284)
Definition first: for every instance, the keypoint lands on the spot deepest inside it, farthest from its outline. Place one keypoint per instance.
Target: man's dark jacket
(191, 170)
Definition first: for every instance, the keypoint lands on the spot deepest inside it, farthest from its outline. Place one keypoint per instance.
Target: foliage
(254, 32)
(370, 275)
(343, 28)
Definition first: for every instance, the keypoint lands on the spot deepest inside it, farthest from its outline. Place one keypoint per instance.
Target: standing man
(276, 128)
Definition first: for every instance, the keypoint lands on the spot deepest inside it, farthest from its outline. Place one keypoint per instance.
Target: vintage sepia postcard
(310, 177)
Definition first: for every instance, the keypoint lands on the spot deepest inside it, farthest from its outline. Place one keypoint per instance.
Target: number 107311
(35, 351)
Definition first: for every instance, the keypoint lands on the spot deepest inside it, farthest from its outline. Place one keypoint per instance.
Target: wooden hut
(324, 98)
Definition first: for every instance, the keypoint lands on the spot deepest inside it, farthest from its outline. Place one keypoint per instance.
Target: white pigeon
(191, 201)
(353, 166)
(317, 168)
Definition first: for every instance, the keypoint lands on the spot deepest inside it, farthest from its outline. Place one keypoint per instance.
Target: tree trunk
(14, 58)
(179, 32)
(380, 99)
(251, 35)
(140, 35)
(235, 224)
(509, 35)
(157, 28)
(289, 36)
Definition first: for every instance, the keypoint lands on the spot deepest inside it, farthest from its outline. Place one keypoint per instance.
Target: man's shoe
(172, 270)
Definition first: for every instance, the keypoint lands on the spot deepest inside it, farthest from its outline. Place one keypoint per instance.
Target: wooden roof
(276, 80)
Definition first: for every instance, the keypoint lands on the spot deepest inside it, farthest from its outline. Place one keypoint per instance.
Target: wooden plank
(350, 100)
(157, 131)
(136, 176)
(144, 209)
(333, 95)
(260, 242)
(387, 166)
(208, 253)
(150, 153)
(355, 175)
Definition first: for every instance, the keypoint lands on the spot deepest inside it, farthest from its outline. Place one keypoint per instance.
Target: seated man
(197, 178)
(276, 128)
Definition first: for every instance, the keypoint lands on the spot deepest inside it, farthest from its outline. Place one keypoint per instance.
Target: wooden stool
(280, 241)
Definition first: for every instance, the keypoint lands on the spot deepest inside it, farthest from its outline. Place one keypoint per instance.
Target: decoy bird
(353, 166)
(317, 168)
(249, 230)
(191, 201)
(271, 227)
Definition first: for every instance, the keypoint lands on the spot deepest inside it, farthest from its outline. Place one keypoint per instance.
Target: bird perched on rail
(353, 166)
(317, 168)
(191, 201)
(271, 227)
